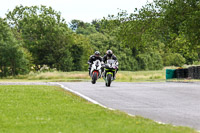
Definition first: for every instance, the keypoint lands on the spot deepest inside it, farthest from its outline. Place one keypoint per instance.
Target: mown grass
(50, 109)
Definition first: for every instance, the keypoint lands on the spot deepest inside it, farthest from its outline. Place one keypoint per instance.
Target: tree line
(161, 33)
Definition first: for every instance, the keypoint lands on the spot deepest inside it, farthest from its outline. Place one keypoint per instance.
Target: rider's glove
(117, 63)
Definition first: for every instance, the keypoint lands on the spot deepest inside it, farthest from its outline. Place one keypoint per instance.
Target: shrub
(150, 61)
(173, 59)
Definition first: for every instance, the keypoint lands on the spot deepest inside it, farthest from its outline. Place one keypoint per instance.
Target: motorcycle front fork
(104, 75)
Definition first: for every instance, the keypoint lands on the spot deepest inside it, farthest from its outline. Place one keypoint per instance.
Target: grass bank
(51, 109)
(56, 76)
(122, 76)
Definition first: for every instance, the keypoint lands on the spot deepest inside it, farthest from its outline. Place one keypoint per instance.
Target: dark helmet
(109, 53)
(97, 53)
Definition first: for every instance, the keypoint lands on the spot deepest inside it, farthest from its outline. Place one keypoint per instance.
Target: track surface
(173, 103)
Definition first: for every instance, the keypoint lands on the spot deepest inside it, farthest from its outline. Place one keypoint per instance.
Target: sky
(85, 10)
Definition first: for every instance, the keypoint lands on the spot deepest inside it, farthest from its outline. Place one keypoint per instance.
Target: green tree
(13, 59)
(45, 34)
(181, 17)
(81, 50)
(81, 27)
(162, 27)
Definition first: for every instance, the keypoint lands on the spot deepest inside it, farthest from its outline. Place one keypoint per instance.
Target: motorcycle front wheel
(109, 79)
(94, 77)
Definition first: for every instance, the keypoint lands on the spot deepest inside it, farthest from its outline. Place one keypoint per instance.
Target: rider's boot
(102, 74)
(89, 71)
(114, 76)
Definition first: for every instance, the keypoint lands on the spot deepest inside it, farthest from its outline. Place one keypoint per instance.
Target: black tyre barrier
(191, 73)
(186, 73)
(198, 72)
(194, 72)
(179, 73)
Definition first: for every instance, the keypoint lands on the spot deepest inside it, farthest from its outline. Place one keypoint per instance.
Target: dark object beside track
(192, 72)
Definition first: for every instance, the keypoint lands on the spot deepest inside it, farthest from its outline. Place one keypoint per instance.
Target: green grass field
(50, 109)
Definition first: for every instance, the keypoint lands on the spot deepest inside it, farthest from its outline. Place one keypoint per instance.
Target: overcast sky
(85, 10)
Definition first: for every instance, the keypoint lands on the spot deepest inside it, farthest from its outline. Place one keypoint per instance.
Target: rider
(92, 58)
(110, 55)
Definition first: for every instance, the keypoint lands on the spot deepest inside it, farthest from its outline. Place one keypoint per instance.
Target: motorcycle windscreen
(111, 61)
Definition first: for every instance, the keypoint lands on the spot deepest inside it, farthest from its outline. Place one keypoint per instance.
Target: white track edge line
(83, 96)
(95, 102)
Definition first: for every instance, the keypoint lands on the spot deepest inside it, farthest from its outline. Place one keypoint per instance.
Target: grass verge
(51, 109)
(78, 76)
(56, 76)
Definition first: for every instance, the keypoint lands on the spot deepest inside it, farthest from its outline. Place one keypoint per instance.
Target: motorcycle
(95, 72)
(109, 71)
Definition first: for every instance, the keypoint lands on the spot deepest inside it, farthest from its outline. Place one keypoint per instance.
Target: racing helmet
(97, 53)
(109, 53)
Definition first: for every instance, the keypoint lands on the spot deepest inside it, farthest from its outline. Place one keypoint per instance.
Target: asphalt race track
(167, 102)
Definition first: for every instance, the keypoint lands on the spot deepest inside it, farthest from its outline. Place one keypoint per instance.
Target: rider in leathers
(93, 58)
(110, 55)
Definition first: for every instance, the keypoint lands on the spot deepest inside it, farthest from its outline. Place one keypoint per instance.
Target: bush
(127, 63)
(150, 61)
(173, 59)
(196, 63)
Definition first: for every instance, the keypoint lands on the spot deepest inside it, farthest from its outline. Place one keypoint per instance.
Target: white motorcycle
(95, 72)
